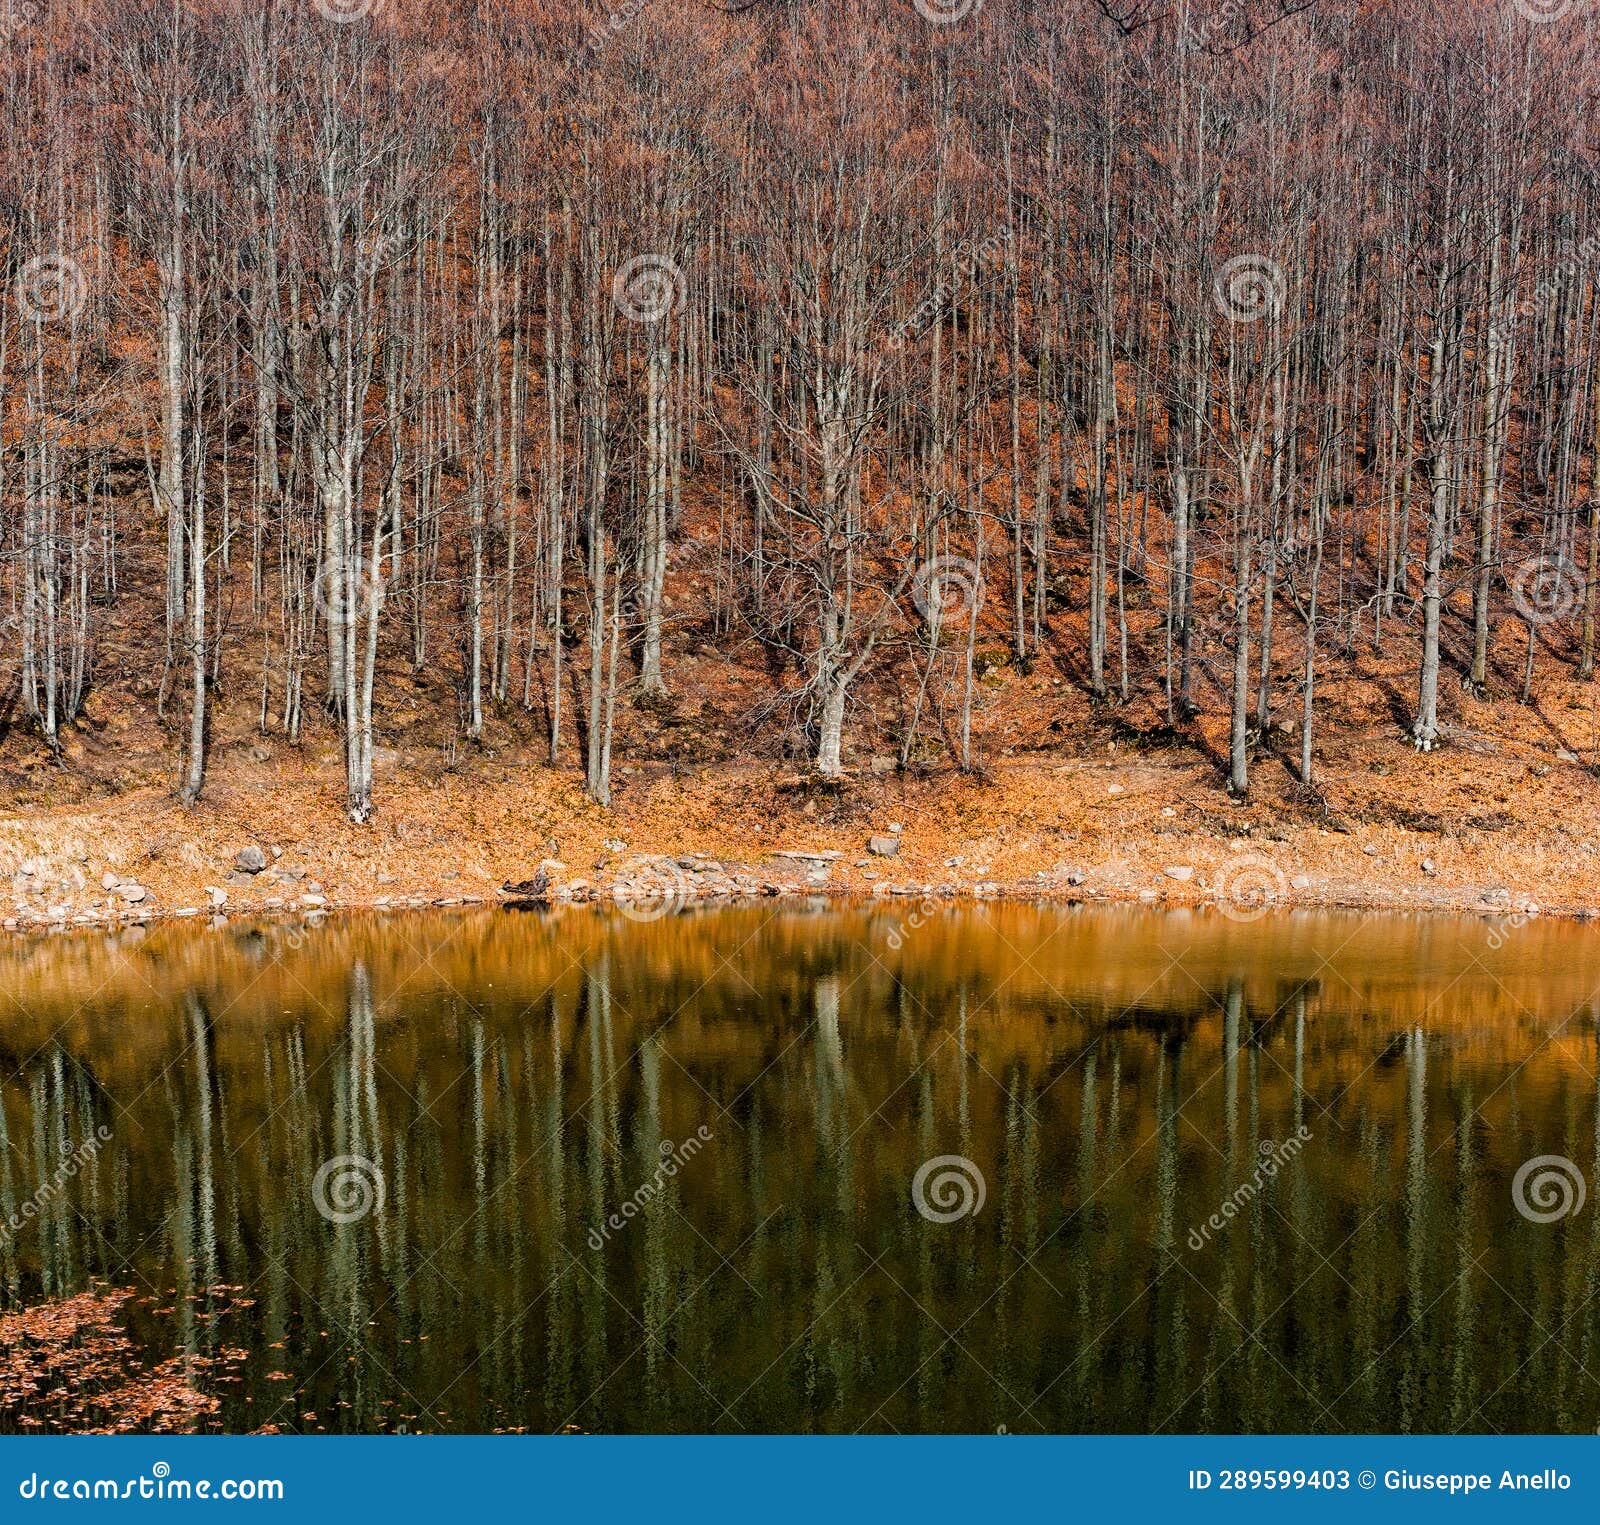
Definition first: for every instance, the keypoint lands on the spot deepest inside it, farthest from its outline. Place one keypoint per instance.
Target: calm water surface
(528, 1171)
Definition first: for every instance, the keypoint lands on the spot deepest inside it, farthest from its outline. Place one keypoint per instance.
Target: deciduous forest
(560, 372)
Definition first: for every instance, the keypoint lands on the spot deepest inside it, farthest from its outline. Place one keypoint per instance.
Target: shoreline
(1115, 829)
(663, 895)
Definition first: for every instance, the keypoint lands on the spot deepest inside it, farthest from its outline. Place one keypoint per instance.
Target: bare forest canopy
(347, 337)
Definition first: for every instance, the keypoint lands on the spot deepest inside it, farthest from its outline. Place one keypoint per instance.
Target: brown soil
(1491, 828)
(1073, 799)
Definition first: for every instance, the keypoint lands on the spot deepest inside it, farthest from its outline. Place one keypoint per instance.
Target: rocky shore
(85, 871)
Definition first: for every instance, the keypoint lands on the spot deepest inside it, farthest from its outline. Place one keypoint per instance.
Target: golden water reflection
(515, 1086)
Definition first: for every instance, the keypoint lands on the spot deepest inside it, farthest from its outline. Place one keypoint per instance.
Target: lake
(801, 1168)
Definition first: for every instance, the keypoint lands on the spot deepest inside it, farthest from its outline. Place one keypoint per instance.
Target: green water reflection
(514, 1081)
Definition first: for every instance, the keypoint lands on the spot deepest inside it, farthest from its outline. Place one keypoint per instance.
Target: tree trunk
(1426, 730)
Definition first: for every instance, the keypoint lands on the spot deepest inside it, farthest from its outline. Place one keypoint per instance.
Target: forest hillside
(1082, 446)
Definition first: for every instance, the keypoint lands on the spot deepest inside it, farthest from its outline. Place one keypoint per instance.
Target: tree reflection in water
(361, 1170)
